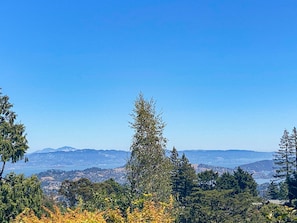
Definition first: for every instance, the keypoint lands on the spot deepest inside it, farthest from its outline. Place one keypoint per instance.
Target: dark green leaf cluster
(18, 193)
(13, 142)
(94, 196)
(285, 160)
(183, 177)
(277, 191)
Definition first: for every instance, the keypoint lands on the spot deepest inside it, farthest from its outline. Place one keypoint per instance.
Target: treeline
(159, 188)
(285, 159)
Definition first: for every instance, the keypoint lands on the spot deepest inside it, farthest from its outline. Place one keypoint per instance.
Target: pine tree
(207, 179)
(187, 179)
(226, 182)
(284, 157)
(148, 168)
(292, 187)
(294, 145)
(175, 162)
(183, 176)
(245, 182)
(273, 191)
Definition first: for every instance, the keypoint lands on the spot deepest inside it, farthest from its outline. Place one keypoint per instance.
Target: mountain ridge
(69, 158)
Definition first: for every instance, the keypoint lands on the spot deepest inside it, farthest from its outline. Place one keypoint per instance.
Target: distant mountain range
(68, 158)
(226, 158)
(53, 166)
(62, 149)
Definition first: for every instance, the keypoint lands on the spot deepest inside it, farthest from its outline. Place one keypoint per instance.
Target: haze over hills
(68, 158)
(52, 166)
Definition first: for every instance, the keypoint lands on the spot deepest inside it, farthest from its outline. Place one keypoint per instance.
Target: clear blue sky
(223, 73)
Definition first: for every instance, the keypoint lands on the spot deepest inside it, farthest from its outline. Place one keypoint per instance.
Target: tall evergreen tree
(187, 179)
(273, 191)
(207, 179)
(245, 182)
(148, 168)
(175, 162)
(292, 187)
(183, 177)
(284, 157)
(294, 146)
(226, 182)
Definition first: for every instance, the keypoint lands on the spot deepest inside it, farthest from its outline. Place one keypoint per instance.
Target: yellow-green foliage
(152, 212)
(70, 216)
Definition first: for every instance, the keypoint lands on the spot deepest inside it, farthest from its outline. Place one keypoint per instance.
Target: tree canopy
(148, 168)
(13, 142)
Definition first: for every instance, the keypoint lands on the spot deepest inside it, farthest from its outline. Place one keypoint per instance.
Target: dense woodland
(160, 188)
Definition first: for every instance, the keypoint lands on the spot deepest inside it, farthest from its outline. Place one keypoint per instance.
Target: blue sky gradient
(223, 73)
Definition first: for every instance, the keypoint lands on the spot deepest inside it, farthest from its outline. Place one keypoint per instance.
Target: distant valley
(53, 166)
(69, 158)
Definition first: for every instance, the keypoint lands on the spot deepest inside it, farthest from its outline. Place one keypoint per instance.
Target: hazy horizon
(128, 150)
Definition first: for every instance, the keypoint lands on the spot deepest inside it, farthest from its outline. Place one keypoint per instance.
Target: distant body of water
(263, 181)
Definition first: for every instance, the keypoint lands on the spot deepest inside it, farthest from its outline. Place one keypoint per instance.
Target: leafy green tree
(73, 191)
(273, 191)
(148, 168)
(245, 182)
(94, 196)
(13, 142)
(284, 157)
(18, 193)
(108, 195)
(207, 179)
(277, 213)
(219, 206)
(226, 182)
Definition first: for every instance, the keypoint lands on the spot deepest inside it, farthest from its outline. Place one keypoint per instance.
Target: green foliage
(273, 213)
(277, 190)
(226, 182)
(245, 182)
(284, 157)
(283, 190)
(13, 142)
(183, 177)
(18, 193)
(148, 168)
(217, 206)
(273, 191)
(94, 196)
(175, 162)
(75, 190)
(207, 179)
(292, 186)
(293, 138)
